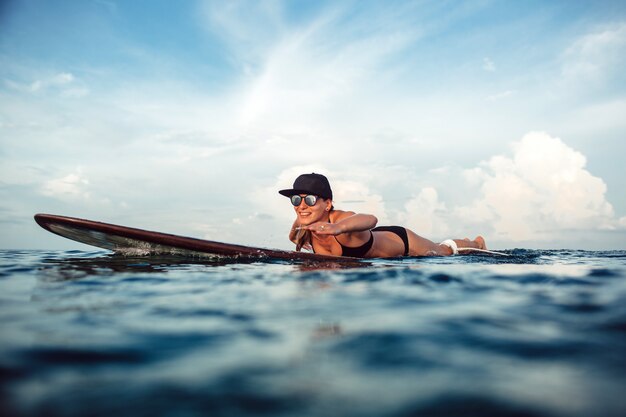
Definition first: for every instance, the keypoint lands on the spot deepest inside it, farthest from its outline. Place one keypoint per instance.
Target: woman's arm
(345, 222)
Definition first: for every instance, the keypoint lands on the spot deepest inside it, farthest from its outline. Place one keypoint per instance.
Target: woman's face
(310, 214)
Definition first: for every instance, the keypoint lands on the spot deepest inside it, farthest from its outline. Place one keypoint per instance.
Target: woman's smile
(305, 215)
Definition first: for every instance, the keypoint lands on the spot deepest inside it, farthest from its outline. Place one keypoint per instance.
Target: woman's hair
(302, 238)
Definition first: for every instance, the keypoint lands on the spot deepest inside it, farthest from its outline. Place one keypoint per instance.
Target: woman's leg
(419, 246)
(478, 243)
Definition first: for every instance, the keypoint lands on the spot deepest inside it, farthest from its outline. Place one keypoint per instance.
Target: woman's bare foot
(480, 241)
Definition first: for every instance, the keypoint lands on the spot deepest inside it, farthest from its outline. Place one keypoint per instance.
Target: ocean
(540, 333)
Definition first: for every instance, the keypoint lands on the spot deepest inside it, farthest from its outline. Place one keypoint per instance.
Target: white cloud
(357, 196)
(70, 187)
(596, 56)
(300, 78)
(249, 28)
(56, 80)
(294, 73)
(63, 84)
(424, 214)
(544, 187)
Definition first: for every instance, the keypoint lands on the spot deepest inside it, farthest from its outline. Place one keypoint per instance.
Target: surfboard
(138, 242)
(131, 241)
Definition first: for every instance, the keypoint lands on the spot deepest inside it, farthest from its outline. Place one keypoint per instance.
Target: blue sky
(453, 118)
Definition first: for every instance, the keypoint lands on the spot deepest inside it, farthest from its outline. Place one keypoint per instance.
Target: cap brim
(293, 191)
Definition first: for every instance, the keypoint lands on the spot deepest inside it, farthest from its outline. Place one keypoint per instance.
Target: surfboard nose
(43, 220)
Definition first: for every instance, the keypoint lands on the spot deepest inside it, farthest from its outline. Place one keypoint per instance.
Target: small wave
(385, 349)
(604, 272)
(202, 312)
(61, 356)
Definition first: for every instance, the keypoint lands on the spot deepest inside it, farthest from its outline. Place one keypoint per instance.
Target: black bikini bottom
(400, 231)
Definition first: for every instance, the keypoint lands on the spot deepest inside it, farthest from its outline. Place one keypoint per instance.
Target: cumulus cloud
(537, 191)
(542, 188)
(425, 213)
(357, 196)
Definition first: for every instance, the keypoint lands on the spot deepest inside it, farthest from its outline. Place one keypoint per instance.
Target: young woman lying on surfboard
(325, 230)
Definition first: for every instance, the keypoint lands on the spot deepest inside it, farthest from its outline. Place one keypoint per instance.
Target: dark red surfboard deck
(132, 241)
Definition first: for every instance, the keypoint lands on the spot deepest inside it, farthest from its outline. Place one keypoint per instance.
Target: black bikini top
(356, 252)
(359, 251)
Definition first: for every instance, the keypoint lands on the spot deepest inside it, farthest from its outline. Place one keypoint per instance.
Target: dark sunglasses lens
(310, 200)
(296, 200)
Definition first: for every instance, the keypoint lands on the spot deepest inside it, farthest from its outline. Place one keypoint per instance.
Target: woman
(321, 228)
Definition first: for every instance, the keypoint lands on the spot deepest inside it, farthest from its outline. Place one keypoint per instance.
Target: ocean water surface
(540, 333)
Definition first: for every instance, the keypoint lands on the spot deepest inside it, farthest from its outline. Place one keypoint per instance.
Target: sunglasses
(309, 200)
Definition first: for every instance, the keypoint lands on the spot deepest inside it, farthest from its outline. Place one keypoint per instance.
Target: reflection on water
(541, 333)
(79, 267)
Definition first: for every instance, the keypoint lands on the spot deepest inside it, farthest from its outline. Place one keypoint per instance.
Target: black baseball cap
(315, 184)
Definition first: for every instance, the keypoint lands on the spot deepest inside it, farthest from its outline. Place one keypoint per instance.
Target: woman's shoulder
(337, 215)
